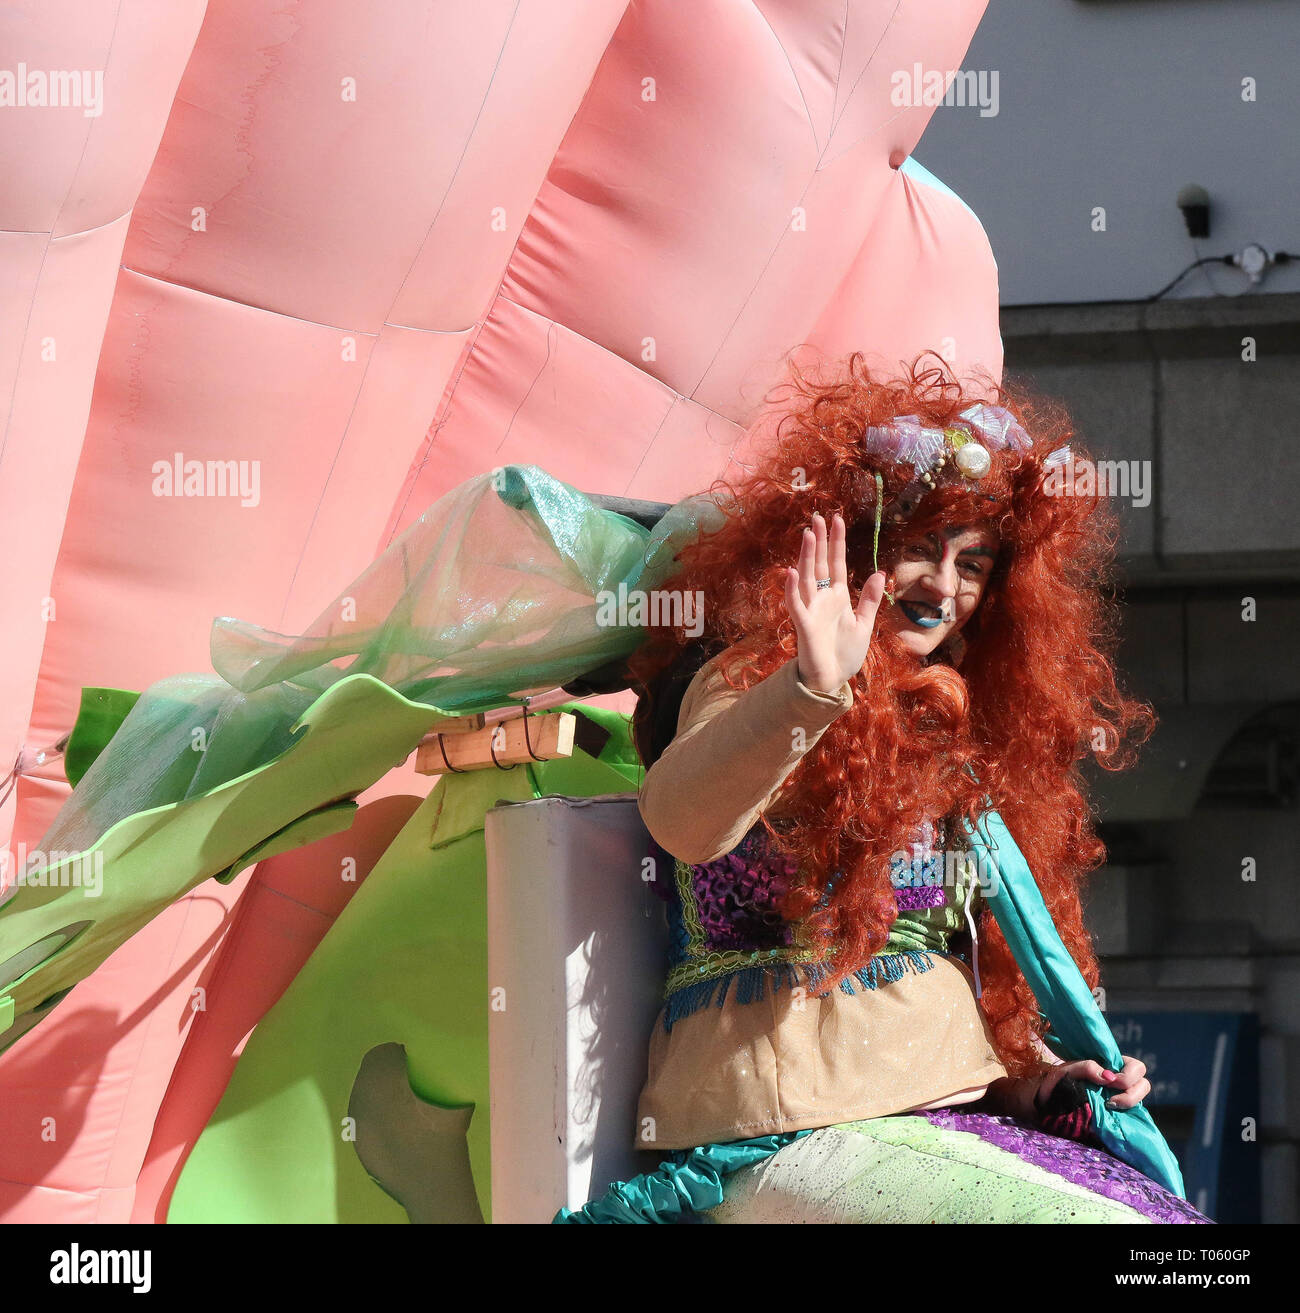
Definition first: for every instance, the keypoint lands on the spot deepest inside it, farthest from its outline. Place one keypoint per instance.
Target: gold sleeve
(733, 749)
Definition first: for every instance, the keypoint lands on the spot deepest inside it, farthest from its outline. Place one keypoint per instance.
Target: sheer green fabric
(490, 596)
(101, 715)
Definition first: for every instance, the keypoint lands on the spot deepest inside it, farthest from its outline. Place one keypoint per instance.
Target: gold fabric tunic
(791, 1060)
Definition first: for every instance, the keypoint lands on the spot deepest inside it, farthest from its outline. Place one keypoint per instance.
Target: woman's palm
(832, 633)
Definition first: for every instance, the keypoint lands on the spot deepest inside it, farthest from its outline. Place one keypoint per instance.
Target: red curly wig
(1036, 692)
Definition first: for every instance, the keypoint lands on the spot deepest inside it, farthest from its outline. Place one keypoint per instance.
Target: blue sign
(1204, 1074)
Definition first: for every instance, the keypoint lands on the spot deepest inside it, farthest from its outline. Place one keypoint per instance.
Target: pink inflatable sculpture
(359, 259)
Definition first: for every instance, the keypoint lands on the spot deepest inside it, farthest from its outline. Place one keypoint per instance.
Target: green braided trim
(690, 913)
(724, 963)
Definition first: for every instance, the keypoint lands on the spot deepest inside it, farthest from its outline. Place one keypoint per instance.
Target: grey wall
(1119, 103)
(1177, 927)
(1166, 385)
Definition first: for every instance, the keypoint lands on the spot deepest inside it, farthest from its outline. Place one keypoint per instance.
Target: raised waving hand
(833, 635)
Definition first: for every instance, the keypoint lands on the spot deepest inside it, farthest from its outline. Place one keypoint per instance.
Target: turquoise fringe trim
(680, 1190)
(752, 982)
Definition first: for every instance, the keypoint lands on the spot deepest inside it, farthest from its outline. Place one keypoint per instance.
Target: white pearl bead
(973, 460)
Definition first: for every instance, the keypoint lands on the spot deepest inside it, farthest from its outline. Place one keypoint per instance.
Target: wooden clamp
(466, 743)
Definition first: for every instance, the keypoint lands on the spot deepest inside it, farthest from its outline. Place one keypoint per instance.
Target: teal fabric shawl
(1079, 1029)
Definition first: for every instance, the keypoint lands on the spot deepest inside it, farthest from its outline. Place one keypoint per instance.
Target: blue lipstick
(922, 618)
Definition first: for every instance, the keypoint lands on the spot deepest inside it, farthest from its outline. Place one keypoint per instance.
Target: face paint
(938, 586)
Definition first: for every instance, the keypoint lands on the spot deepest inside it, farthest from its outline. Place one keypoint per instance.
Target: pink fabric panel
(720, 219)
(531, 390)
(70, 180)
(289, 905)
(302, 273)
(696, 226)
(92, 1068)
(928, 272)
(370, 297)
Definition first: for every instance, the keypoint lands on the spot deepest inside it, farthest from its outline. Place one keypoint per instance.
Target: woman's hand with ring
(833, 635)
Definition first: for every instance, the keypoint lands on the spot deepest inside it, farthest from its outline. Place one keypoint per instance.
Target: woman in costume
(833, 1043)
(846, 1034)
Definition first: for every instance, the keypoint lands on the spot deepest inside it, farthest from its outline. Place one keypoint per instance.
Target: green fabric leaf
(102, 712)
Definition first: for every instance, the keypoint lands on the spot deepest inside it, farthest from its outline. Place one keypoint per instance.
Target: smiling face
(938, 585)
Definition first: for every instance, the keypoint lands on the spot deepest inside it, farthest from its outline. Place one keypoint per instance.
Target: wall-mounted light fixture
(1194, 201)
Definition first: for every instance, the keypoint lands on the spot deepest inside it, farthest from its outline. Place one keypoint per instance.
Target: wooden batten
(551, 736)
(460, 724)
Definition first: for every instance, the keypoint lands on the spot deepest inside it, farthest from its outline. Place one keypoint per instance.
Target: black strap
(654, 725)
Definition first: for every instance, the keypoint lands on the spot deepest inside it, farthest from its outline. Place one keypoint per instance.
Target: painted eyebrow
(976, 549)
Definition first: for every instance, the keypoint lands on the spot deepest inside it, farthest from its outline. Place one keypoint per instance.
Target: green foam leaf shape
(353, 734)
(405, 963)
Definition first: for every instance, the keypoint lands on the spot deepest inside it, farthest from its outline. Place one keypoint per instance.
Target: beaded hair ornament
(962, 450)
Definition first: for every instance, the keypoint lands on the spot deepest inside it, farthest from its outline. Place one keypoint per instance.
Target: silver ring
(823, 583)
